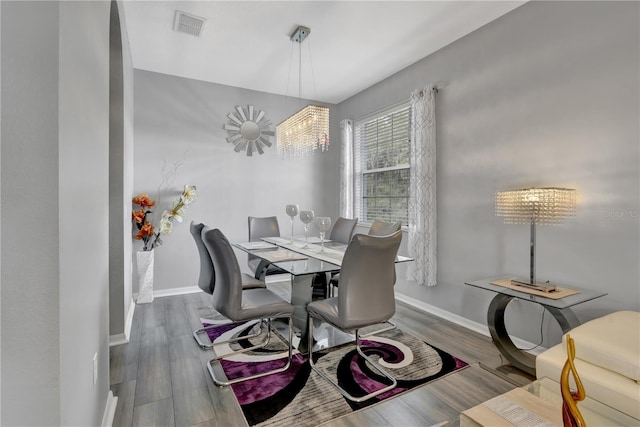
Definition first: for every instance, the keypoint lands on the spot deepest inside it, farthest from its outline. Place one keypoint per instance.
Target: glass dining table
(303, 261)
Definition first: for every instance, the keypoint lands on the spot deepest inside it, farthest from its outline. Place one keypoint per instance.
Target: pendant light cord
(313, 76)
(299, 70)
(299, 73)
(289, 73)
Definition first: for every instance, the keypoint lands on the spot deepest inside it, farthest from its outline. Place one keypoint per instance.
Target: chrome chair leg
(391, 327)
(208, 346)
(263, 343)
(373, 364)
(221, 382)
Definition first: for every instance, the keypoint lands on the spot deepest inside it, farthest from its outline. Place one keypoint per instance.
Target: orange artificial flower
(144, 201)
(138, 216)
(145, 231)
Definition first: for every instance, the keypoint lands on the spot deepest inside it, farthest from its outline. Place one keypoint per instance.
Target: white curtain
(346, 168)
(422, 188)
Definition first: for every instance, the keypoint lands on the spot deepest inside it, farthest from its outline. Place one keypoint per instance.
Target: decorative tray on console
(555, 294)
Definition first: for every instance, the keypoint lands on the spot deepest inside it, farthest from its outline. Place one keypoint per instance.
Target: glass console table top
(583, 295)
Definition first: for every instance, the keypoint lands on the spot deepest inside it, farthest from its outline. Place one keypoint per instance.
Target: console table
(560, 309)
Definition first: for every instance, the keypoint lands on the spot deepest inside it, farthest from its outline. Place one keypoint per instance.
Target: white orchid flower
(189, 194)
(165, 223)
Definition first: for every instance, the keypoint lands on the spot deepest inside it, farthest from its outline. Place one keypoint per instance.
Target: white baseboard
(464, 322)
(129, 321)
(124, 337)
(118, 339)
(274, 278)
(173, 291)
(109, 410)
(177, 291)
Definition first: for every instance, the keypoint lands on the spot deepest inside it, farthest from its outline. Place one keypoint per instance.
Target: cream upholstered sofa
(607, 360)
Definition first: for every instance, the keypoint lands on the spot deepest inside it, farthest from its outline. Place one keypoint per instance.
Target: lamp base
(543, 287)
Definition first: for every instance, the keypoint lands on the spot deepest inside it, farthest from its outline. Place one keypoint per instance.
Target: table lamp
(535, 206)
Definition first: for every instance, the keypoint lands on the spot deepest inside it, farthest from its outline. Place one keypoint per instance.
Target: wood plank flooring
(160, 376)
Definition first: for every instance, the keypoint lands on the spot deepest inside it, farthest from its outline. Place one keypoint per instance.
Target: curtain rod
(435, 90)
(391, 106)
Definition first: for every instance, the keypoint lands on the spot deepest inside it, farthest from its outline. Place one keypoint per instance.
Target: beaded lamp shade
(541, 205)
(533, 206)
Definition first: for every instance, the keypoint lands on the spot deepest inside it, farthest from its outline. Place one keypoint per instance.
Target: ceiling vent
(187, 23)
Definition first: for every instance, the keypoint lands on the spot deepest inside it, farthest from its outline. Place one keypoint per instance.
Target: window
(381, 152)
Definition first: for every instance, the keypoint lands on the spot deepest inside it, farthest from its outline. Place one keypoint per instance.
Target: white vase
(145, 276)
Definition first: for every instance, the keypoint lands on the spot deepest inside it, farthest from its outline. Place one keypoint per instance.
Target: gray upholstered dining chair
(207, 277)
(340, 233)
(342, 230)
(260, 227)
(378, 228)
(381, 228)
(237, 305)
(366, 298)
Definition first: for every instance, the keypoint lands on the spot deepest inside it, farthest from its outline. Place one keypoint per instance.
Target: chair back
(259, 228)
(342, 230)
(207, 278)
(366, 280)
(263, 227)
(227, 294)
(381, 228)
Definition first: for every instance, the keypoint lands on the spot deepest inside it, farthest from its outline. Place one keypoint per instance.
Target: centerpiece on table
(151, 236)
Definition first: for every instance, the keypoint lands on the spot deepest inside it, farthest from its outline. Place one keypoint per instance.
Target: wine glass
(324, 224)
(306, 217)
(292, 211)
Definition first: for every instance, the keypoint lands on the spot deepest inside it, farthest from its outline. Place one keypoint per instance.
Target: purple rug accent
(259, 389)
(301, 397)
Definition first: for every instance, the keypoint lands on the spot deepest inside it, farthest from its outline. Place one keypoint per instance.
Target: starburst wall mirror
(249, 130)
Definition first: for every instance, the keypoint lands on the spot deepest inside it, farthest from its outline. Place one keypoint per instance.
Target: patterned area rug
(301, 397)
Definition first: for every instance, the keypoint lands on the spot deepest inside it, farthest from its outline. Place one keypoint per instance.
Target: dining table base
(302, 291)
(301, 295)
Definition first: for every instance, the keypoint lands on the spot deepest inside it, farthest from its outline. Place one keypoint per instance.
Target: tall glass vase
(145, 276)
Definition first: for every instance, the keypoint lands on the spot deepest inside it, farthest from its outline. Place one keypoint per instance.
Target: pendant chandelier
(307, 130)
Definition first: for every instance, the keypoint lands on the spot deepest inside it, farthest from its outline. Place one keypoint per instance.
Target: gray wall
(0, 218)
(177, 119)
(547, 95)
(120, 173)
(54, 217)
(127, 172)
(29, 183)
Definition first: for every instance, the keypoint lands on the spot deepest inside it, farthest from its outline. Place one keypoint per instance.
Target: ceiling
(352, 44)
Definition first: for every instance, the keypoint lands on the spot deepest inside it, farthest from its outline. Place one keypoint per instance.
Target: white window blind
(381, 170)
